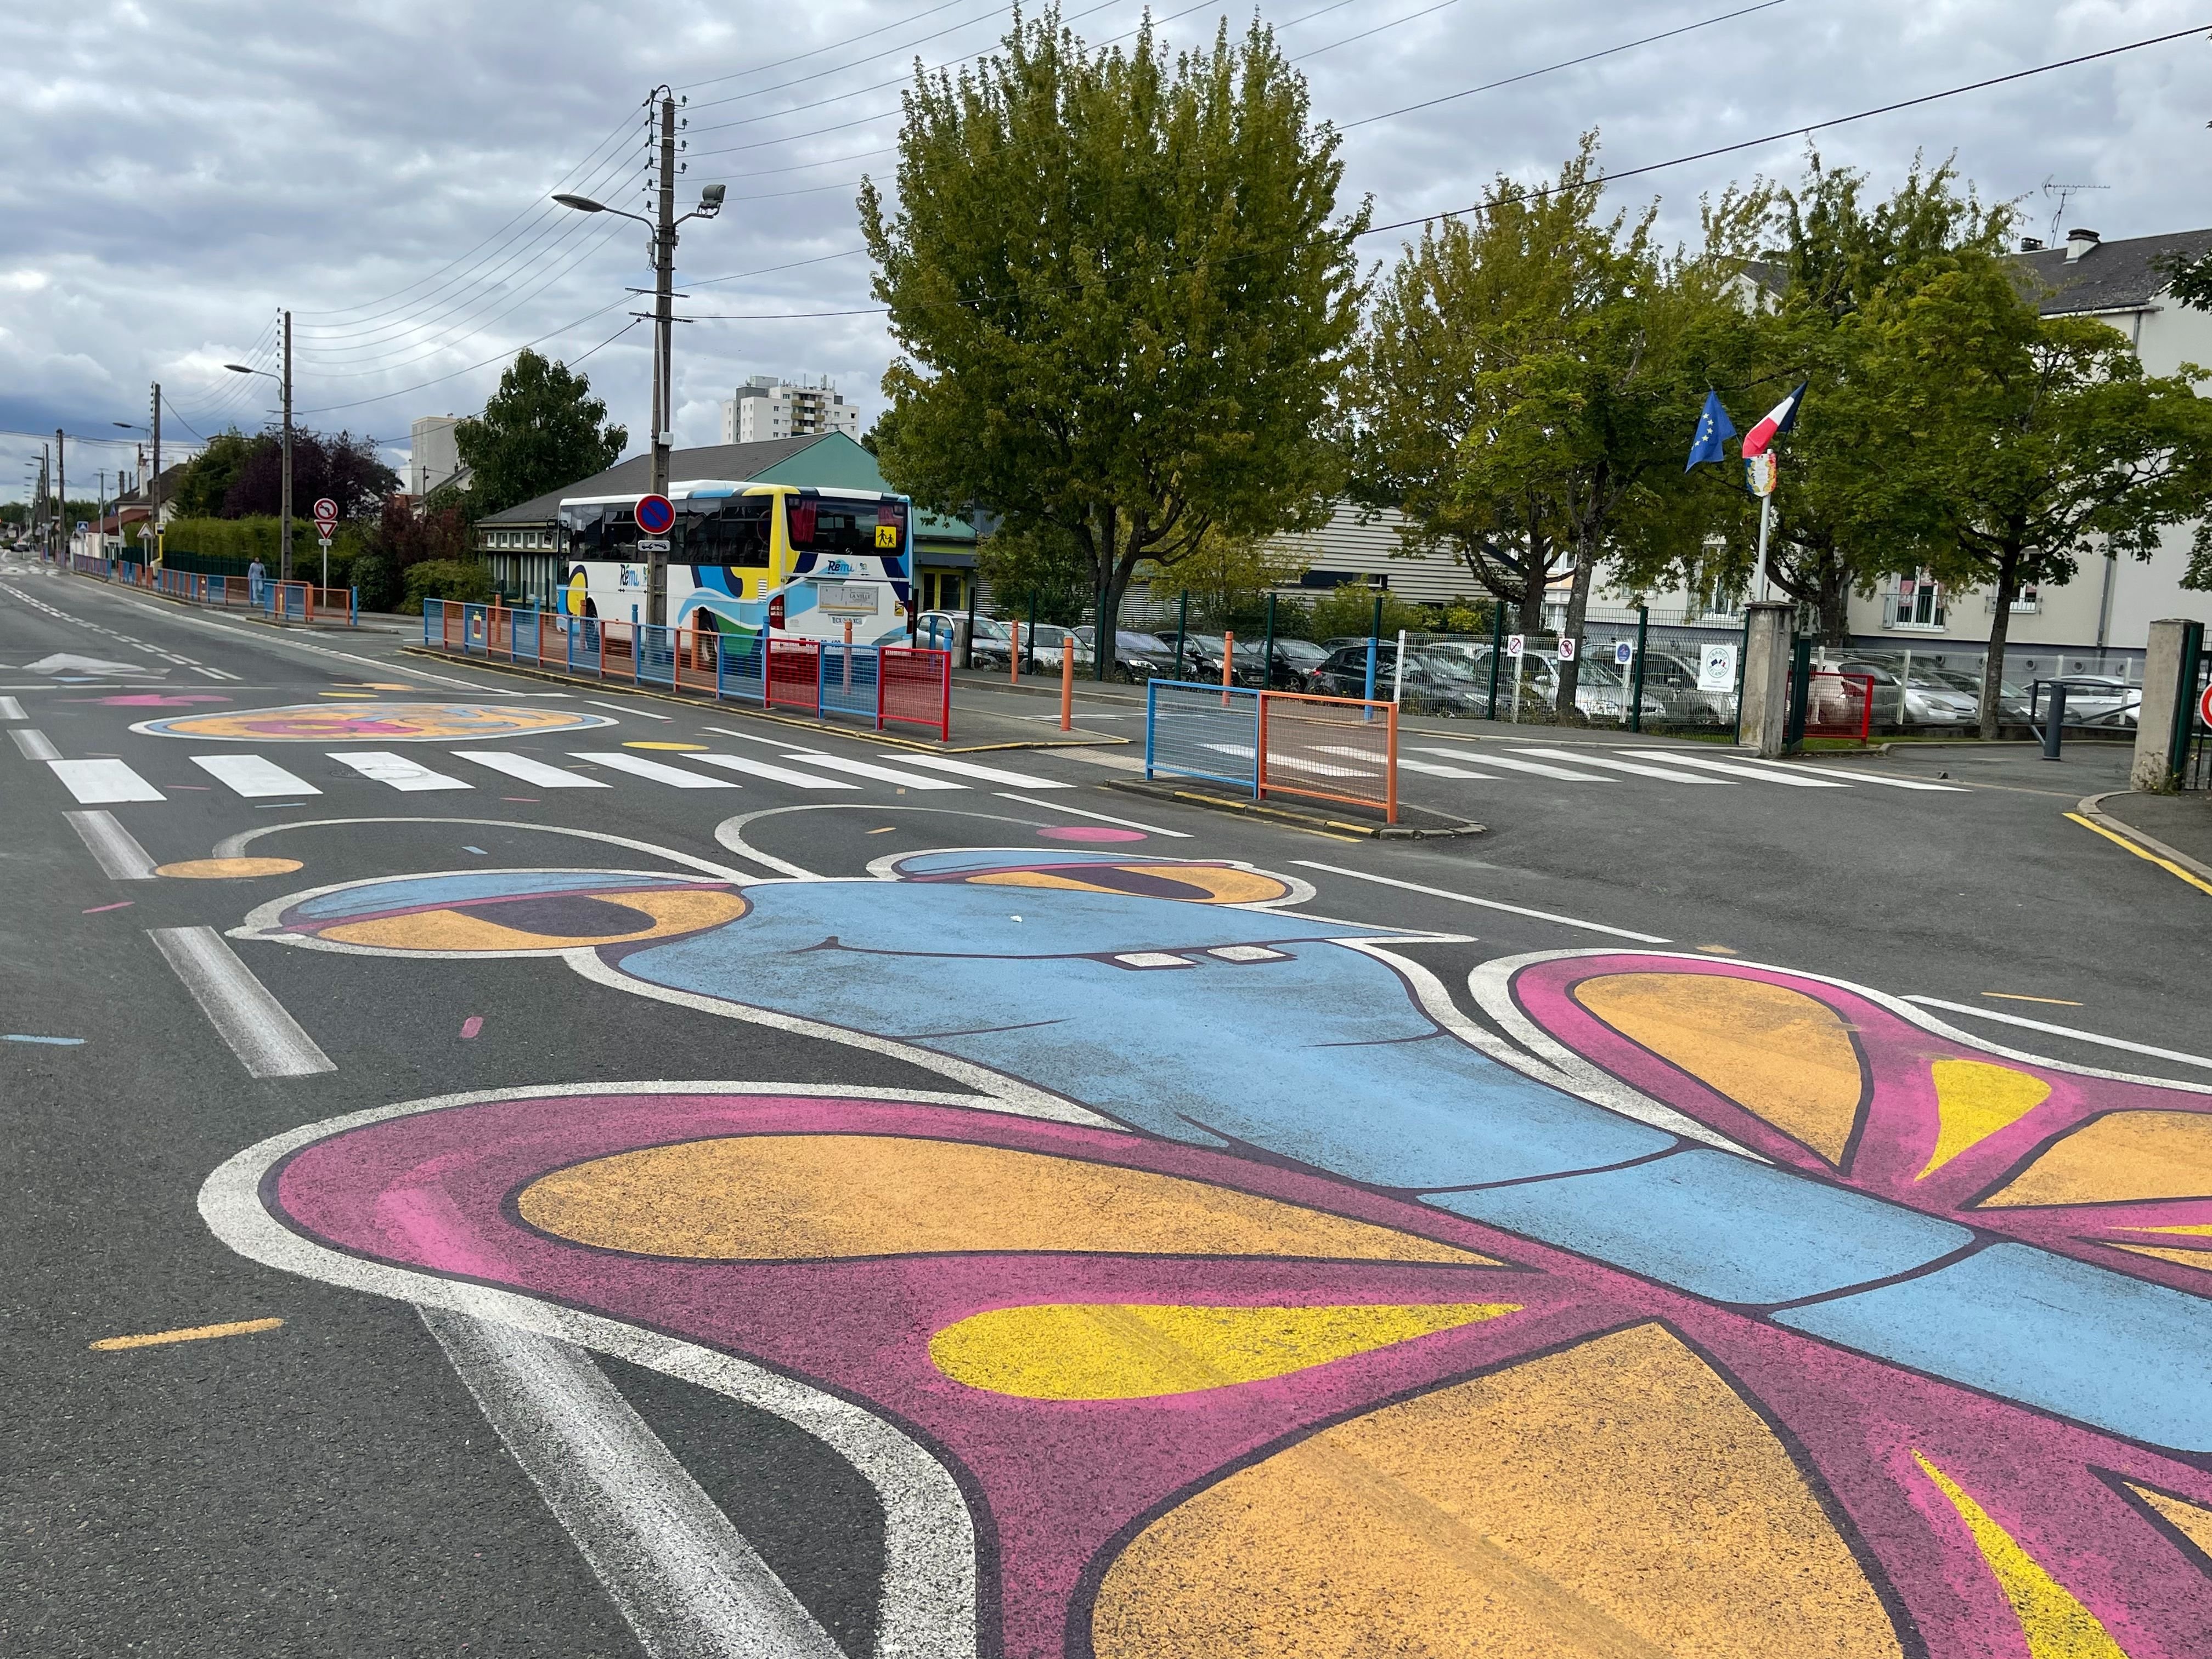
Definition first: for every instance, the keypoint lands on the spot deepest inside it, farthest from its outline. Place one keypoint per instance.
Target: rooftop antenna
(2063, 193)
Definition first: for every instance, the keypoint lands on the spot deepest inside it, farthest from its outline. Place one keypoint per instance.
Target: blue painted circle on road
(656, 516)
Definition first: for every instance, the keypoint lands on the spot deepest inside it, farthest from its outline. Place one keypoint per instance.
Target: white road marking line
(675, 777)
(384, 767)
(628, 708)
(988, 774)
(11, 710)
(267, 1040)
(868, 769)
(114, 848)
(1735, 769)
(1863, 777)
(1077, 811)
(774, 774)
(1430, 769)
(96, 782)
(529, 770)
(1290, 763)
(1662, 774)
(35, 745)
(254, 776)
(1487, 904)
(1112, 758)
(689, 1584)
(784, 744)
(212, 673)
(2064, 1031)
(1490, 758)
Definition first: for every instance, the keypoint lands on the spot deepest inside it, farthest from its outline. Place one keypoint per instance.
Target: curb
(748, 712)
(1291, 816)
(2091, 807)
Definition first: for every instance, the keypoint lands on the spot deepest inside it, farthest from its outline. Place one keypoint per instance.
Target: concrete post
(2153, 765)
(1766, 712)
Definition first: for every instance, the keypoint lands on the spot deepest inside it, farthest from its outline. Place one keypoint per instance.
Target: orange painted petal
(2118, 1157)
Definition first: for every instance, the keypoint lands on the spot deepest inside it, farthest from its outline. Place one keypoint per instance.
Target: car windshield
(1300, 650)
(1145, 644)
(1439, 666)
(1597, 672)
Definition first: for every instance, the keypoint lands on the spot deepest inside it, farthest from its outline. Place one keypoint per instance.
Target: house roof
(830, 459)
(2122, 276)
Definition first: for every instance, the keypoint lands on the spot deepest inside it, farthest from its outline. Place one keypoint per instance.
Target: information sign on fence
(1517, 645)
(1567, 647)
(1717, 668)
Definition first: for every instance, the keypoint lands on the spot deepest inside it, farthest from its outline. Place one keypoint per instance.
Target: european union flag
(1714, 428)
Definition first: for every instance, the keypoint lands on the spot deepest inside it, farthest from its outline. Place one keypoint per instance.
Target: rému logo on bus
(747, 558)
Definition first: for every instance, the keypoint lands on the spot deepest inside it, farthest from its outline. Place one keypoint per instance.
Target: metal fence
(300, 602)
(1275, 742)
(882, 684)
(1207, 731)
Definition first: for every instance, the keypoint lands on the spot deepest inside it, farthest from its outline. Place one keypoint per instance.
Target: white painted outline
(2174, 1054)
(927, 1608)
(233, 846)
(1486, 904)
(114, 849)
(1301, 890)
(245, 1014)
(1102, 817)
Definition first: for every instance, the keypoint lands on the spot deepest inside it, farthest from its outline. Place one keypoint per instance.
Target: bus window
(836, 524)
(732, 531)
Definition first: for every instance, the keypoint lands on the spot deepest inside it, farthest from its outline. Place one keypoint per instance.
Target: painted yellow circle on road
(227, 869)
(682, 748)
(377, 721)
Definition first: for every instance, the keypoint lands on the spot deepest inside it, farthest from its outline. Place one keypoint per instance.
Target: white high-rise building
(432, 456)
(765, 407)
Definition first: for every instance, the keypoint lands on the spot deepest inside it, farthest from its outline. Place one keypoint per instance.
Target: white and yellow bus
(748, 558)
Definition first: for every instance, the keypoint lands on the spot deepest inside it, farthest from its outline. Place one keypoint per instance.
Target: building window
(1918, 603)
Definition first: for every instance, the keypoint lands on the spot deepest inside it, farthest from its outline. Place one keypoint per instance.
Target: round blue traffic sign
(655, 516)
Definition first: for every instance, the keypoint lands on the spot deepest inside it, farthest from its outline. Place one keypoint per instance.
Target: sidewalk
(2182, 823)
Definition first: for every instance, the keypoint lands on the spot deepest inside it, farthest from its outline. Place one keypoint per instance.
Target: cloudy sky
(173, 174)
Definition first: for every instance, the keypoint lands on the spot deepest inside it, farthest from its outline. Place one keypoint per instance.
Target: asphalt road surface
(508, 1167)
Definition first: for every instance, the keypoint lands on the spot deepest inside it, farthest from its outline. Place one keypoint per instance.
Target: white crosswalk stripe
(382, 766)
(1876, 777)
(1431, 768)
(98, 782)
(1511, 764)
(1632, 768)
(881, 774)
(674, 776)
(34, 745)
(1292, 763)
(1736, 770)
(774, 774)
(987, 773)
(11, 710)
(529, 770)
(254, 776)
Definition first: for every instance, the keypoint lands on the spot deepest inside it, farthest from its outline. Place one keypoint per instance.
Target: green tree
(1564, 356)
(1227, 577)
(1043, 564)
(2039, 438)
(200, 487)
(1121, 299)
(540, 431)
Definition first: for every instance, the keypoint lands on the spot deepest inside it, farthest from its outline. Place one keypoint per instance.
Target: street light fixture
(284, 516)
(663, 247)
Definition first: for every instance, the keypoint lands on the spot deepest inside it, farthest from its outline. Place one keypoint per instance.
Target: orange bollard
(1068, 684)
(1228, 662)
(1014, 658)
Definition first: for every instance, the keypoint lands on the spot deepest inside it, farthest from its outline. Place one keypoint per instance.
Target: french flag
(1778, 420)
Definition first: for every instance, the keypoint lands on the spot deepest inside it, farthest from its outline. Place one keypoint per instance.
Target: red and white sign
(655, 514)
(326, 511)
(2204, 707)
(1567, 649)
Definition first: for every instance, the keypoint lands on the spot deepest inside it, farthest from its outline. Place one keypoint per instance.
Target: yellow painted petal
(783, 1198)
(2183, 1258)
(1777, 1053)
(2120, 1157)
(1122, 1352)
(1618, 1500)
(2190, 1520)
(1974, 1099)
(2055, 1625)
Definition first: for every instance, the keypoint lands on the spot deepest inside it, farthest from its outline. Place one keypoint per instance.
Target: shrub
(446, 578)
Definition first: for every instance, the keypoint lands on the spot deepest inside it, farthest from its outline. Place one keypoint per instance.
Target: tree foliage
(1523, 390)
(1121, 296)
(541, 430)
(241, 477)
(2037, 439)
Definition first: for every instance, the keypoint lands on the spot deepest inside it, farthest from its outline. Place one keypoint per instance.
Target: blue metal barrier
(741, 669)
(1194, 730)
(849, 676)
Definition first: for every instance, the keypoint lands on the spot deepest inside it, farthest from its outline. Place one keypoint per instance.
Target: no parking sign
(655, 514)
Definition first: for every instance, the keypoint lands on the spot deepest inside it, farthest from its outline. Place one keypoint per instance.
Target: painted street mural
(388, 722)
(1240, 1295)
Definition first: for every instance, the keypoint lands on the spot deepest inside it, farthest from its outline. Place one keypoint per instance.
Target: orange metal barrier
(1342, 748)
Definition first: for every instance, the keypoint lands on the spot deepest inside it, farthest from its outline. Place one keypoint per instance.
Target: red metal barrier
(795, 675)
(1840, 705)
(914, 686)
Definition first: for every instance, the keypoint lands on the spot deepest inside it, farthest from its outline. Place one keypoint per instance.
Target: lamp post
(663, 229)
(284, 512)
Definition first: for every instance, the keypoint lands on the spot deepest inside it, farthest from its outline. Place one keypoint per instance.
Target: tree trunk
(1578, 608)
(2000, 628)
(1529, 614)
(1834, 600)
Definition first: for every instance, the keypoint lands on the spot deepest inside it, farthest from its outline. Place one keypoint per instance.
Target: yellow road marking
(885, 830)
(2167, 865)
(190, 1333)
(2014, 996)
(681, 748)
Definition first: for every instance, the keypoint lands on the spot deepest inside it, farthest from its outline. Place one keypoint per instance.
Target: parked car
(2090, 698)
(1201, 659)
(1922, 700)
(1673, 680)
(1294, 664)
(1434, 683)
(2013, 707)
(1137, 657)
(1601, 691)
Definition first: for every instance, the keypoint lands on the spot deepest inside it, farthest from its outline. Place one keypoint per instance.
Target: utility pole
(284, 533)
(154, 488)
(664, 282)
(61, 471)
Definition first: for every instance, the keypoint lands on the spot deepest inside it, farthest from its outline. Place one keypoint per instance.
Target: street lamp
(662, 228)
(284, 531)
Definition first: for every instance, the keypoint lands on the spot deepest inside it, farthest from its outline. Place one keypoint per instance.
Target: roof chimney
(2031, 244)
(2079, 242)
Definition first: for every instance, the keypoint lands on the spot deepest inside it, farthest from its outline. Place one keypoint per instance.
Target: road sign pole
(664, 275)
(1636, 689)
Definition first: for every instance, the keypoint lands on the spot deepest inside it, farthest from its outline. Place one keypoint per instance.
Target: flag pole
(1765, 520)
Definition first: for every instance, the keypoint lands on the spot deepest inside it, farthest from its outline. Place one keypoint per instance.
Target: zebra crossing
(107, 780)
(1585, 763)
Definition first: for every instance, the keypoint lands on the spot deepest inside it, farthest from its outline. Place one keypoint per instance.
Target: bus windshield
(846, 526)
